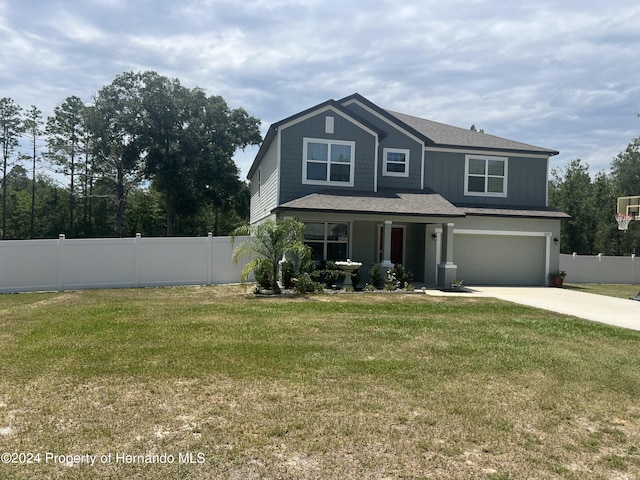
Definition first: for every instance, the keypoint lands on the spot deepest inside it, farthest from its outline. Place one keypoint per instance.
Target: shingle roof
(525, 212)
(408, 203)
(449, 136)
(425, 203)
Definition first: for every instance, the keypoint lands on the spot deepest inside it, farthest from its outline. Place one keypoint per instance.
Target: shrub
(355, 278)
(262, 273)
(287, 272)
(375, 275)
(403, 275)
(305, 284)
(398, 277)
(329, 275)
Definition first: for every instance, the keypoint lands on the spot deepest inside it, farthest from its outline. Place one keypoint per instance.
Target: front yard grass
(618, 290)
(328, 386)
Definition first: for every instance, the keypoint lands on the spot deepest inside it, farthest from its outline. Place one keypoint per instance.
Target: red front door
(397, 244)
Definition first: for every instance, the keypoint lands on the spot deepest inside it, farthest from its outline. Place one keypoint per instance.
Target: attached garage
(501, 258)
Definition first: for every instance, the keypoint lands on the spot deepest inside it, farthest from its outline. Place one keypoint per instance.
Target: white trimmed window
(328, 241)
(395, 162)
(485, 176)
(328, 162)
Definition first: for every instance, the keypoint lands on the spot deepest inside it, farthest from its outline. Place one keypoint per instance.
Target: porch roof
(384, 202)
(513, 211)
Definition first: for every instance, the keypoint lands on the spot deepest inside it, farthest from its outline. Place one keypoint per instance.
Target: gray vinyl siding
(394, 138)
(264, 197)
(415, 250)
(364, 241)
(292, 154)
(526, 181)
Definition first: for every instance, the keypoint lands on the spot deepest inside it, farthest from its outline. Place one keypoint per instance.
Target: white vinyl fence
(600, 269)
(70, 264)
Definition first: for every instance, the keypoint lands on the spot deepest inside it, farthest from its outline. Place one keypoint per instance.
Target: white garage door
(499, 259)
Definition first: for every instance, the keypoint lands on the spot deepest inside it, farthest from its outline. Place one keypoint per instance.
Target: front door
(397, 244)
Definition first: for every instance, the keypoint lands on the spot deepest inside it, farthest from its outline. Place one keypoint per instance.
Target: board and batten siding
(264, 185)
(526, 181)
(291, 160)
(395, 138)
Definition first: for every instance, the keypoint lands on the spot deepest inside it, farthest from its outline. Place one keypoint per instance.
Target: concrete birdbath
(348, 268)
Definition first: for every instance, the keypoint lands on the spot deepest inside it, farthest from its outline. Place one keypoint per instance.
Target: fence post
(136, 260)
(210, 258)
(600, 269)
(61, 238)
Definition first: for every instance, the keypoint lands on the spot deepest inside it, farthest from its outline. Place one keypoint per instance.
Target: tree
(10, 130)
(191, 142)
(269, 242)
(19, 187)
(232, 213)
(115, 122)
(603, 205)
(625, 170)
(144, 213)
(66, 136)
(570, 192)
(32, 126)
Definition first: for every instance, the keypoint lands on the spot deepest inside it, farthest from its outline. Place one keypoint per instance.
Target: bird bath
(348, 268)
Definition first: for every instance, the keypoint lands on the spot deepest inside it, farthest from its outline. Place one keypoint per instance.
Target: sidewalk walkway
(598, 308)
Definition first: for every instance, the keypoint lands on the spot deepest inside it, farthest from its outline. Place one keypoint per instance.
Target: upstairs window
(395, 162)
(328, 162)
(485, 176)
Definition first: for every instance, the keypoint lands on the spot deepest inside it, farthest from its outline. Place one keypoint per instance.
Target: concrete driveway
(598, 308)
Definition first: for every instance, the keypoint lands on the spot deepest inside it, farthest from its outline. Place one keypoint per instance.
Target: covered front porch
(424, 248)
(414, 229)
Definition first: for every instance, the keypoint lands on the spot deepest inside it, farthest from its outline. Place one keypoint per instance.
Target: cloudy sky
(559, 74)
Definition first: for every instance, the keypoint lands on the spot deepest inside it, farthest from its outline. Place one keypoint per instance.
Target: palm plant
(268, 244)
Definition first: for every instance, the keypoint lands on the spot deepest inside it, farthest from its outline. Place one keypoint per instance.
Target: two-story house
(379, 186)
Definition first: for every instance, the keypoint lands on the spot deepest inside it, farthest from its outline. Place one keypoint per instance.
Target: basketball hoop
(623, 221)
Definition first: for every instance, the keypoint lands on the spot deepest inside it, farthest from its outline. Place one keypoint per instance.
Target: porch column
(447, 270)
(386, 244)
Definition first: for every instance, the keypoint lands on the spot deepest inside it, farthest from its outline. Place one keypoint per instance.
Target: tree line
(147, 155)
(151, 156)
(592, 204)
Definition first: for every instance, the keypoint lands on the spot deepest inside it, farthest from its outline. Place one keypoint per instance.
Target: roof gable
(329, 105)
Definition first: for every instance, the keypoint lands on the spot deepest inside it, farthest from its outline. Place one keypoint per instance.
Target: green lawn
(329, 386)
(620, 291)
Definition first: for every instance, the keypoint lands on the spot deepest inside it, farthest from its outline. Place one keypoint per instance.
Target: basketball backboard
(629, 206)
(628, 211)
